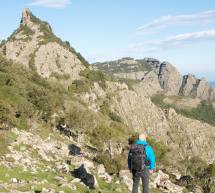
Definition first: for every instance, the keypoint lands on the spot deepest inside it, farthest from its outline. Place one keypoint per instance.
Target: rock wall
(170, 79)
(186, 136)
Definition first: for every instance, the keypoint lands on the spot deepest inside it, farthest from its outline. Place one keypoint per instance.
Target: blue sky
(181, 32)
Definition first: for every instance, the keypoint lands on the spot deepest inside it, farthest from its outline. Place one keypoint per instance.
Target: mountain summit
(35, 46)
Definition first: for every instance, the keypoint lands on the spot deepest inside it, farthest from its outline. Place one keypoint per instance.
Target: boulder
(63, 167)
(74, 150)
(87, 178)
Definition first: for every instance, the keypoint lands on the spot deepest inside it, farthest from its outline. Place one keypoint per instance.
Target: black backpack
(138, 157)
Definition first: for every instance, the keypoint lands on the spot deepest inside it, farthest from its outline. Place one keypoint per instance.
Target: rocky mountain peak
(31, 21)
(26, 17)
(35, 46)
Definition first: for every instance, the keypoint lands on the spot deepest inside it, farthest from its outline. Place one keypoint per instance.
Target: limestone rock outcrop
(176, 131)
(198, 88)
(170, 79)
(35, 46)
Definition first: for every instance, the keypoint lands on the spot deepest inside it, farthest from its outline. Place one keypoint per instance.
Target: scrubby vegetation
(129, 82)
(202, 174)
(105, 109)
(24, 93)
(119, 66)
(205, 111)
(90, 77)
(112, 164)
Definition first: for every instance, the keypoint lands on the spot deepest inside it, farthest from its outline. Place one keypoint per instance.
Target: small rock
(14, 180)
(102, 173)
(63, 168)
(76, 180)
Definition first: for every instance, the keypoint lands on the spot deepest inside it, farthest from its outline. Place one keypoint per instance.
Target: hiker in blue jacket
(141, 162)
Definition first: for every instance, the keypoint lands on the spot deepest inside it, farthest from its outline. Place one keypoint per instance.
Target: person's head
(133, 138)
(143, 136)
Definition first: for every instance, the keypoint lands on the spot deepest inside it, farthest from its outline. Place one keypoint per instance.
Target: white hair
(143, 136)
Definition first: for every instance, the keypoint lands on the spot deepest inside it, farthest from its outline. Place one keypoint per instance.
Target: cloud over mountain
(51, 3)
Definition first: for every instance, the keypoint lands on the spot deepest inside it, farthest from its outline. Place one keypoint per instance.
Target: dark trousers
(144, 175)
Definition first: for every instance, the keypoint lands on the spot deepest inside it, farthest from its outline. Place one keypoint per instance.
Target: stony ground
(40, 161)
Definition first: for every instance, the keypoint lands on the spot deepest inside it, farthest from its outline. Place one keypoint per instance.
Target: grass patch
(6, 138)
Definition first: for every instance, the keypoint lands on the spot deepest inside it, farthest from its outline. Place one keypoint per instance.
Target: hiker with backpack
(141, 162)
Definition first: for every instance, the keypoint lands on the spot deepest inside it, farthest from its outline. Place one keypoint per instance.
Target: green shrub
(104, 133)
(115, 117)
(23, 93)
(105, 109)
(129, 82)
(60, 76)
(196, 166)
(80, 86)
(95, 76)
(160, 150)
(111, 165)
(4, 112)
(158, 100)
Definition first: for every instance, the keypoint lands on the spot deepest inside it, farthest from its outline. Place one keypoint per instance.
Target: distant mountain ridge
(170, 79)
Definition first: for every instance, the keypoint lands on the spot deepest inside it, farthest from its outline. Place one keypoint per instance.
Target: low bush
(111, 165)
(160, 150)
(105, 109)
(80, 86)
(95, 76)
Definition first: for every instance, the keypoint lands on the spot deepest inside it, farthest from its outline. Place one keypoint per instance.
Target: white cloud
(207, 16)
(175, 41)
(51, 3)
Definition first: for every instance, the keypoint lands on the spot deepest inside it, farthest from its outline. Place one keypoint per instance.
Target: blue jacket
(149, 155)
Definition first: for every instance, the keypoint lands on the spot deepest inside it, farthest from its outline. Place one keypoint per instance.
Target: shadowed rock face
(35, 46)
(170, 79)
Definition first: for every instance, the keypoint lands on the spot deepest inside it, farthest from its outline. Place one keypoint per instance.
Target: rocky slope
(170, 80)
(35, 46)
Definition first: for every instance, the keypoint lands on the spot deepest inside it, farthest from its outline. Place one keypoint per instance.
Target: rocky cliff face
(35, 46)
(169, 78)
(192, 86)
(186, 136)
